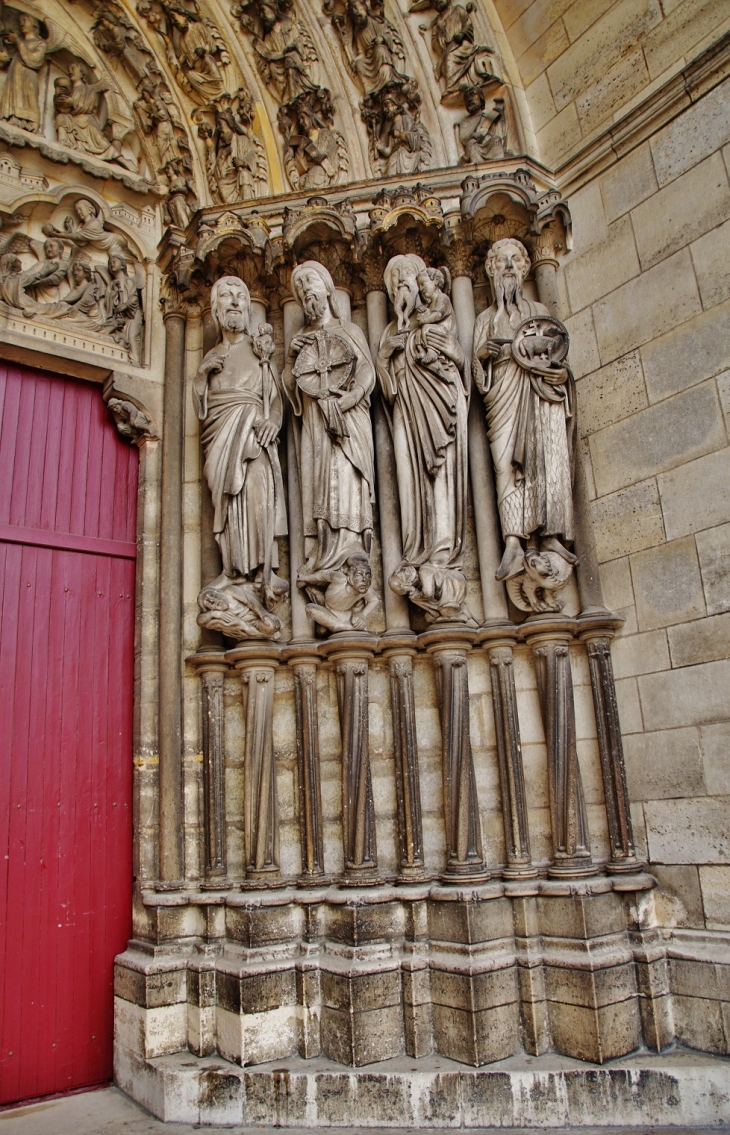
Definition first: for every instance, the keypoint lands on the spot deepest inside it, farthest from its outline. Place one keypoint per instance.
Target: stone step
(674, 1089)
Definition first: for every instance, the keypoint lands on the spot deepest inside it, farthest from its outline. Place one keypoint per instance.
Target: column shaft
(405, 752)
(464, 856)
(171, 864)
(571, 846)
(212, 678)
(610, 748)
(509, 755)
(261, 826)
(310, 792)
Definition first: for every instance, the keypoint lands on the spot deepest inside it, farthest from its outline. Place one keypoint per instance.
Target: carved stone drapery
(610, 748)
(350, 659)
(464, 855)
(257, 668)
(571, 842)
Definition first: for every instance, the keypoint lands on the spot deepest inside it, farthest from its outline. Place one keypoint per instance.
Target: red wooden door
(68, 488)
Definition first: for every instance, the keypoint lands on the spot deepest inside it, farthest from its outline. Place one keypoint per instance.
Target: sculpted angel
(285, 52)
(528, 391)
(238, 401)
(373, 48)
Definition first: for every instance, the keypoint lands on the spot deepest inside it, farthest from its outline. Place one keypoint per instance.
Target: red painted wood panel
(68, 488)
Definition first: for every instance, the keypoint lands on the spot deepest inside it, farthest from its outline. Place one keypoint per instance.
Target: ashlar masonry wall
(648, 291)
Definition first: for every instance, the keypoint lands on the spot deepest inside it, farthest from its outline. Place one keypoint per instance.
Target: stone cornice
(699, 76)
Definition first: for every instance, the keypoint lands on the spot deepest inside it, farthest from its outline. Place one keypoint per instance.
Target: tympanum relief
(329, 378)
(238, 400)
(424, 377)
(315, 154)
(51, 90)
(520, 369)
(83, 274)
(375, 56)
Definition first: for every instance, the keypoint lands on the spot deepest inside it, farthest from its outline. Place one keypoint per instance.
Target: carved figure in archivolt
(237, 398)
(425, 379)
(483, 133)
(521, 370)
(461, 63)
(194, 46)
(81, 116)
(329, 378)
(234, 154)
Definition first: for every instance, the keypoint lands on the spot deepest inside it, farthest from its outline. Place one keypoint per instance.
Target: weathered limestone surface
(419, 817)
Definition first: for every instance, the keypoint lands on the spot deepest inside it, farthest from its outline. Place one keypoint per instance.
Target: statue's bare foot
(552, 544)
(512, 560)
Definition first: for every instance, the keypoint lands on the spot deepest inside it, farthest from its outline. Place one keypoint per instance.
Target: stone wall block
(628, 521)
(647, 306)
(713, 549)
(692, 136)
(659, 438)
(628, 183)
(710, 258)
(603, 267)
(695, 350)
(595, 1034)
(694, 496)
(478, 1037)
(682, 211)
(667, 584)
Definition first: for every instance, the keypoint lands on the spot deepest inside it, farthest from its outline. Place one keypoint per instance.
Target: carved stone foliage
(424, 377)
(235, 160)
(315, 154)
(329, 377)
(194, 47)
(390, 107)
(83, 274)
(521, 371)
(52, 90)
(238, 400)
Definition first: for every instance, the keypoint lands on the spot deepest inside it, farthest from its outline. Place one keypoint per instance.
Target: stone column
(212, 671)
(351, 655)
(305, 659)
(600, 628)
(398, 638)
(257, 664)
(496, 612)
(304, 662)
(620, 832)
(171, 862)
(464, 855)
(550, 645)
(499, 646)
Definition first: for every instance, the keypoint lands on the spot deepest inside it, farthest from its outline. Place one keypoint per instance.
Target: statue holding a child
(424, 377)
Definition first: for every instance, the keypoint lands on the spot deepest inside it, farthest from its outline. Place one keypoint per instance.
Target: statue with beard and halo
(520, 368)
(425, 380)
(237, 399)
(328, 378)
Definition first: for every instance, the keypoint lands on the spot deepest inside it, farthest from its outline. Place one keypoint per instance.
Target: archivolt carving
(234, 154)
(315, 155)
(376, 58)
(194, 47)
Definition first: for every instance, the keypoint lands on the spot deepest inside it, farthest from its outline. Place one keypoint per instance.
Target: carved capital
(460, 258)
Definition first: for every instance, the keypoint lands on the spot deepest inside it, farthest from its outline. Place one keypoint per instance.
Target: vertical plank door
(68, 488)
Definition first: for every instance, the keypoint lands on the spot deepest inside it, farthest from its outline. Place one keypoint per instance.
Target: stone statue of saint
(425, 379)
(20, 103)
(237, 398)
(329, 378)
(519, 367)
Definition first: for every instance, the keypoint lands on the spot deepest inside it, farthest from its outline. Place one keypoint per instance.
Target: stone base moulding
(640, 1092)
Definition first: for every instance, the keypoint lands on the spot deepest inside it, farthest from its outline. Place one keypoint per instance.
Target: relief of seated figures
(84, 274)
(43, 64)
